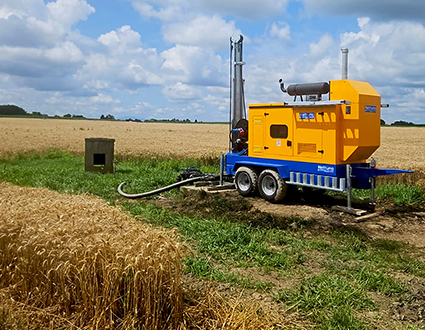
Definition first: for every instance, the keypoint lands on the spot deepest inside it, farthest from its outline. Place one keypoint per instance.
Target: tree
(402, 123)
(383, 122)
(12, 110)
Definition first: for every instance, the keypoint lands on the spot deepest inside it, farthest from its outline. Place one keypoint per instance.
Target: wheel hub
(244, 182)
(268, 185)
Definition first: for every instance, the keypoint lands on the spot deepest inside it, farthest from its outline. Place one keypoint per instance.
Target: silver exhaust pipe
(344, 63)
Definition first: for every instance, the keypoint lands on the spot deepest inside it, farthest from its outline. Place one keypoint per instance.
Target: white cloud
(104, 99)
(249, 9)
(68, 12)
(209, 32)
(281, 30)
(23, 8)
(194, 65)
(165, 10)
(34, 49)
(378, 9)
(66, 50)
(387, 53)
(180, 91)
(136, 73)
(47, 65)
(322, 47)
(185, 9)
(122, 39)
(123, 63)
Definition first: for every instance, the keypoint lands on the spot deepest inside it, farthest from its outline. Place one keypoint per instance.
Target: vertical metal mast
(238, 110)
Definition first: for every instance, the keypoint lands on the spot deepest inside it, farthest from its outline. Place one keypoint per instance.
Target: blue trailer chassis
(315, 175)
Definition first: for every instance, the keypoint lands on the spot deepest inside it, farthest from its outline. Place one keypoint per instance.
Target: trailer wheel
(271, 186)
(246, 181)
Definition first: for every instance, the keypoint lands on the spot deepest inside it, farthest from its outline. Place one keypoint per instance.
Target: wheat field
(131, 138)
(76, 260)
(401, 147)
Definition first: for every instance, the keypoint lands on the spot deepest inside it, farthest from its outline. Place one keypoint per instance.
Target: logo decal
(325, 169)
(370, 108)
(307, 115)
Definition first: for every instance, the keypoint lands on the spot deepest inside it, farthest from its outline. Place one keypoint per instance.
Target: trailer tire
(271, 186)
(246, 181)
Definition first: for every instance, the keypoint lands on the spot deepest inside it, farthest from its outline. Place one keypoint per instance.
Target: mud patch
(305, 212)
(408, 227)
(232, 206)
(411, 307)
(405, 224)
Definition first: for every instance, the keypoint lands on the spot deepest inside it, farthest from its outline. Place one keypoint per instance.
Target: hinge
(266, 113)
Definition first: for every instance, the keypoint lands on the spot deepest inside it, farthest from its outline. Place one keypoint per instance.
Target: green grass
(224, 238)
(63, 172)
(206, 269)
(329, 299)
(399, 194)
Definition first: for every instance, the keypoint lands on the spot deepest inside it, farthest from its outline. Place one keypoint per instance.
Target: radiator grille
(306, 147)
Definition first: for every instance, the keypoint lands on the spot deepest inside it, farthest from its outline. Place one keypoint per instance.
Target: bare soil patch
(404, 224)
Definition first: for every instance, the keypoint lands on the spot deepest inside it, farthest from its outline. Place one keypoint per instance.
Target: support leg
(348, 167)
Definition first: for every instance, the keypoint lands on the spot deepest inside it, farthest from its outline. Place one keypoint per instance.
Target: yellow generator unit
(311, 143)
(343, 130)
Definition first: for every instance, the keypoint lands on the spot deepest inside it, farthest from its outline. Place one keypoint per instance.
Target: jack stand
(348, 175)
(348, 208)
(222, 162)
(372, 191)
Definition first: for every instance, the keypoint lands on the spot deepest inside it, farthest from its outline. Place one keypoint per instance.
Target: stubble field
(401, 147)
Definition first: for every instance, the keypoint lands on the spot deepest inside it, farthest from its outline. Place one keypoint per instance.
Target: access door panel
(308, 135)
(278, 133)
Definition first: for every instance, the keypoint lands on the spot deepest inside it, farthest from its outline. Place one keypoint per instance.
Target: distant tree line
(174, 120)
(400, 123)
(13, 110)
(107, 117)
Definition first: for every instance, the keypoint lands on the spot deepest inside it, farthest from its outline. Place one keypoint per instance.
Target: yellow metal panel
(278, 147)
(361, 119)
(256, 134)
(328, 134)
(308, 133)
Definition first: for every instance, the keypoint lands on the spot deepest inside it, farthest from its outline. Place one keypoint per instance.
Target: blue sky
(170, 58)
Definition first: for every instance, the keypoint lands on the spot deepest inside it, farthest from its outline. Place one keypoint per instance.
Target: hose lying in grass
(189, 176)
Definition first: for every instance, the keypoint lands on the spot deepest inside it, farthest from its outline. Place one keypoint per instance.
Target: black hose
(160, 190)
